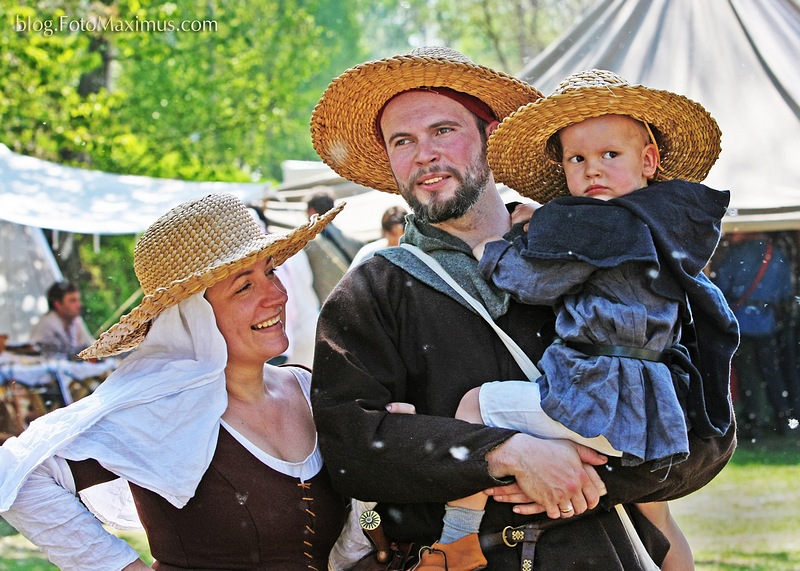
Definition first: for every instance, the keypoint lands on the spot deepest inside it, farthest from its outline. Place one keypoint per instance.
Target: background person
(756, 277)
(217, 448)
(420, 128)
(331, 252)
(393, 224)
(62, 330)
(320, 202)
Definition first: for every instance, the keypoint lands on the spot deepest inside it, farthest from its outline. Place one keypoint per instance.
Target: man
(320, 202)
(393, 331)
(62, 330)
(332, 251)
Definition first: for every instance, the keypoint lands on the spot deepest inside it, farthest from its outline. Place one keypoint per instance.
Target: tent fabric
(39, 193)
(738, 58)
(28, 270)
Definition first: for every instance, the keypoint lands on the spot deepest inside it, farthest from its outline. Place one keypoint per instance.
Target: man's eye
(444, 130)
(401, 142)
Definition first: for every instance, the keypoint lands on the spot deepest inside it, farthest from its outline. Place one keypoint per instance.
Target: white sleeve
(48, 512)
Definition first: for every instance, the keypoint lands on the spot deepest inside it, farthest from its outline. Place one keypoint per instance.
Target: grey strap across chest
(519, 355)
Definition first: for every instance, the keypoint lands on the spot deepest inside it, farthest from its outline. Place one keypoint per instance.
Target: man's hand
(553, 474)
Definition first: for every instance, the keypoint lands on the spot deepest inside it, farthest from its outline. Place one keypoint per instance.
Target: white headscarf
(154, 421)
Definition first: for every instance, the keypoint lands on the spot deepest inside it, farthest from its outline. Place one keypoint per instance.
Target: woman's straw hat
(688, 138)
(189, 249)
(343, 125)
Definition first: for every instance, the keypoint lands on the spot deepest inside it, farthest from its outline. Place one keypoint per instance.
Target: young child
(621, 262)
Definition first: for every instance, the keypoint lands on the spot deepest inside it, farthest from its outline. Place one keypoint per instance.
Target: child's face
(607, 156)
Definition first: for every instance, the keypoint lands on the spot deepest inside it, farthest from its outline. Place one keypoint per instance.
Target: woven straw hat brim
(132, 328)
(690, 140)
(343, 122)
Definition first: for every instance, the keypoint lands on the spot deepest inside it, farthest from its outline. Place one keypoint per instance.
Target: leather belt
(615, 351)
(527, 535)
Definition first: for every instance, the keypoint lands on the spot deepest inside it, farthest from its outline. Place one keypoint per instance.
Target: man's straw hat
(343, 125)
(191, 248)
(687, 137)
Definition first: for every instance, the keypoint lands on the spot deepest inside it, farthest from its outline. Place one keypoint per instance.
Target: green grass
(747, 519)
(18, 554)
(749, 516)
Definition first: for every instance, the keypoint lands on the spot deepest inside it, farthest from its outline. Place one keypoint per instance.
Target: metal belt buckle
(517, 535)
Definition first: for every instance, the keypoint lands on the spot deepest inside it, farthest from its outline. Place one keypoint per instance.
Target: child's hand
(401, 408)
(523, 213)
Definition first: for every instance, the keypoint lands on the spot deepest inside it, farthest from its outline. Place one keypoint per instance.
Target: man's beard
(473, 182)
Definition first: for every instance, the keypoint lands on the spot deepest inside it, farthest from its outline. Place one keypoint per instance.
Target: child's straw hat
(687, 136)
(190, 248)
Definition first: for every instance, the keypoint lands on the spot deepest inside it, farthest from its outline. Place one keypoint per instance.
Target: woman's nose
(275, 291)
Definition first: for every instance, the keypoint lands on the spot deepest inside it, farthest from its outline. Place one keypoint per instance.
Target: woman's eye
(244, 288)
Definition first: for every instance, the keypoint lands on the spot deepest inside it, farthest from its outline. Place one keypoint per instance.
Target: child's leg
(463, 516)
(679, 557)
(458, 548)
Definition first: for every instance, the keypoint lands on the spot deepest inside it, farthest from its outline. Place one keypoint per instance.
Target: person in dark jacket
(756, 277)
(392, 330)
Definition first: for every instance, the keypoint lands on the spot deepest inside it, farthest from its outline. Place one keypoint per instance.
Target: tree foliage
(89, 84)
(230, 102)
(503, 34)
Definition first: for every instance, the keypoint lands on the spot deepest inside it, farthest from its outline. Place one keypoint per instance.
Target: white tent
(28, 269)
(48, 195)
(738, 58)
(36, 194)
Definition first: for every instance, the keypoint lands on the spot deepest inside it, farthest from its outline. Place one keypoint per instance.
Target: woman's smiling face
(250, 311)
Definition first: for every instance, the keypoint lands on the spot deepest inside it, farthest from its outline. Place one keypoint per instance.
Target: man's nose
(427, 151)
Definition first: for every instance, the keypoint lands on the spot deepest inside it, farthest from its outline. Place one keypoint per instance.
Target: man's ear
(650, 161)
(491, 127)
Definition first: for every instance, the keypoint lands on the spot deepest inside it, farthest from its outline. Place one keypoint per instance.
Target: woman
(217, 448)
